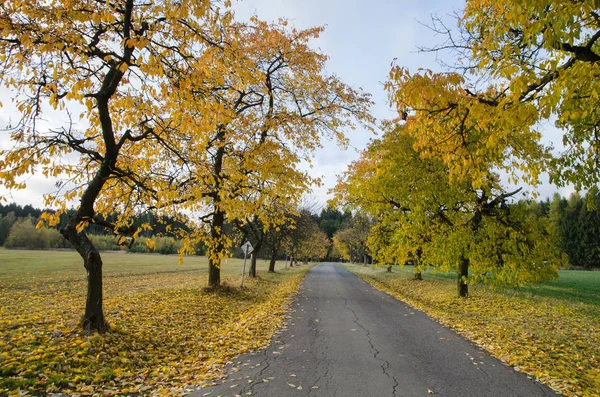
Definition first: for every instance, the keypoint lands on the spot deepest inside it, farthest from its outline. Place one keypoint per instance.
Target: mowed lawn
(550, 331)
(168, 334)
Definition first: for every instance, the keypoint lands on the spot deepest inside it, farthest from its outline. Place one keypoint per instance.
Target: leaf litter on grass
(168, 333)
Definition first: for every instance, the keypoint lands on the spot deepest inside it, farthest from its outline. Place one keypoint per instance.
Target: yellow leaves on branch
(559, 41)
(207, 114)
(471, 132)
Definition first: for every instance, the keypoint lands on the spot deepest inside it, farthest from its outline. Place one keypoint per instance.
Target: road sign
(247, 248)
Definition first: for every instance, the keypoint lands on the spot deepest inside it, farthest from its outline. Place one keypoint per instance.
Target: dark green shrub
(105, 242)
(23, 234)
(6, 223)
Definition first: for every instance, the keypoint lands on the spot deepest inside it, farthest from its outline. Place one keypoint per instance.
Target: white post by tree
(247, 248)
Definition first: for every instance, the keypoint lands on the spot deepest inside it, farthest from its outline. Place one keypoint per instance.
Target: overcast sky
(361, 38)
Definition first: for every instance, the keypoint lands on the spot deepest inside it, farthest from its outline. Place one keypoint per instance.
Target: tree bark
(418, 276)
(214, 265)
(93, 318)
(252, 270)
(218, 220)
(272, 262)
(389, 268)
(463, 273)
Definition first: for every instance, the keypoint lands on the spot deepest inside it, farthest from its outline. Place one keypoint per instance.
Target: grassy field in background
(550, 331)
(18, 263)
(168, 333)
(572, 285)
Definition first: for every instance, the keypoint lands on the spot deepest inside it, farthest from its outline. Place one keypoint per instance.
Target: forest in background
(574, 227)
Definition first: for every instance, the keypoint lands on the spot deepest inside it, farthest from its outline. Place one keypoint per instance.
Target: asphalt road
(345, 338)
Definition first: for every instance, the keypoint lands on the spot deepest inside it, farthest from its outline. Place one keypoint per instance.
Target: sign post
(247, 248)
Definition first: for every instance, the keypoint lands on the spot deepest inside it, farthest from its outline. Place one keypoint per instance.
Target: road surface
(346, 339)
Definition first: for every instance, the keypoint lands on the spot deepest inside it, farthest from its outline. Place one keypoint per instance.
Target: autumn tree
(254, 232)
(545, 55)
(304, 239)
(118, 66)
(426, 214)
(275, 103)
(352, 240)
(280, 213)
(313, 245)
(402, 192)
(276, 241)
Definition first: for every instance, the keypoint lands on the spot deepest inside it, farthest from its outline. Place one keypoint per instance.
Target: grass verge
(168, 333)
(551, 336)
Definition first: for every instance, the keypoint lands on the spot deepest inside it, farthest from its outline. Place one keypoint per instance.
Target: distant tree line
(574, 226)
(18, 230)
(307, 237)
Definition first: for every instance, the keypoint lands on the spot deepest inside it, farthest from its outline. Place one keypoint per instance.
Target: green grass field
(17, 263)
(571, 285)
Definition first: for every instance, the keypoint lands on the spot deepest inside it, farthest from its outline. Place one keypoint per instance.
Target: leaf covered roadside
(553, 340)
(168, 334)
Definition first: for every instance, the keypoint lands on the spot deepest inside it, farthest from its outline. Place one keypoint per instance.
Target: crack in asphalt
(385, 364)
(322, 373)
(250, 387)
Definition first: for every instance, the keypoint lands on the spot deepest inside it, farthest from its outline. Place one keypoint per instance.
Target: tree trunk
(416, 263)
(93, 318)
(389, 268)
(272, 262)
(214, 265)
(463, 273)
(252, 270)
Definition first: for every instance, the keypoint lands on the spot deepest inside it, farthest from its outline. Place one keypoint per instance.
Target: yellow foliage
(183, 109)
(545, 53)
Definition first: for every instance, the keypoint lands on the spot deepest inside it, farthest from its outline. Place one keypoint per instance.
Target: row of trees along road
(298, 238)
(182, 109)
(431, 182)
(571, 226)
